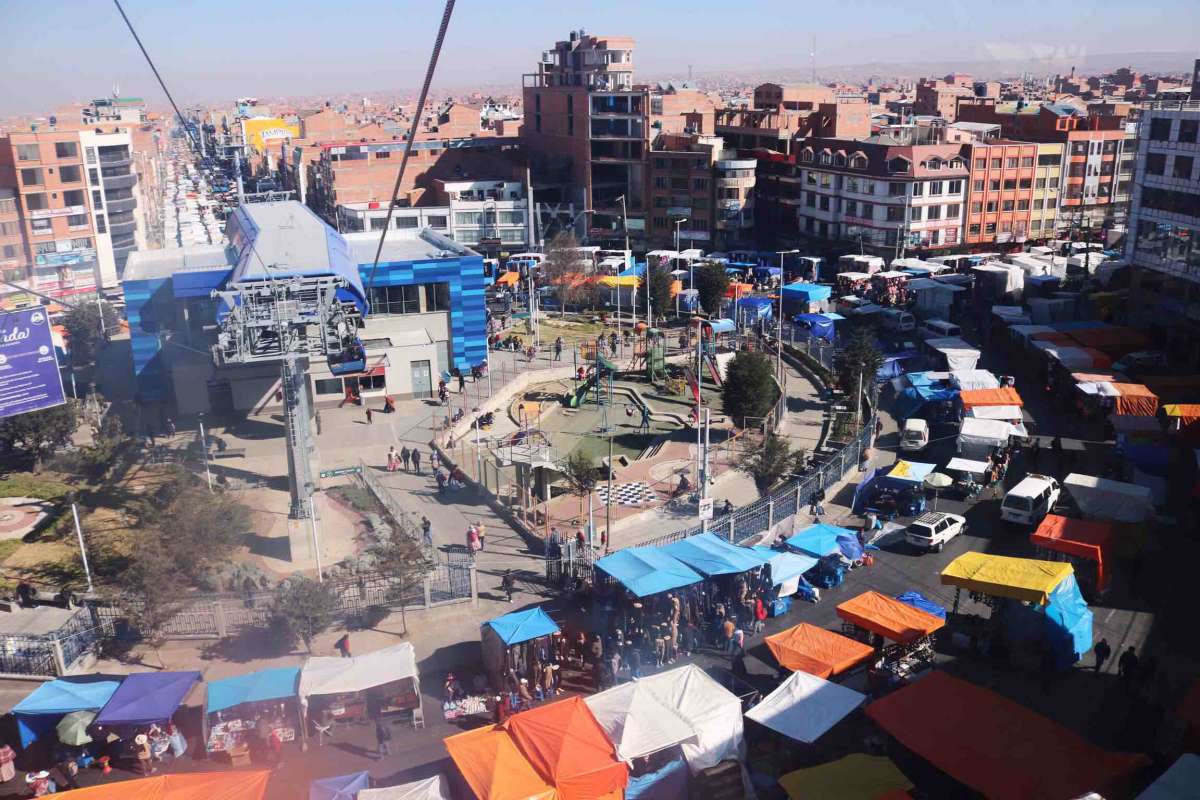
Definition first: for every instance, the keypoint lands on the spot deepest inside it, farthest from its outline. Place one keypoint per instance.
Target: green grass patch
(8, 547)
(24, 484)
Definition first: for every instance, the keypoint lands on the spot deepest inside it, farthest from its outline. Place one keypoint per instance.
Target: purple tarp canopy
(146, 697)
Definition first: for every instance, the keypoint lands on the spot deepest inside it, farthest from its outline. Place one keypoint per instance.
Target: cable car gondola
(352, 360)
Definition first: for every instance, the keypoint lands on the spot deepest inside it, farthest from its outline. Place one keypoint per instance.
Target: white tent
(1180, 782)
(636, 721)
(995, 412)
(1101, 498)
(804, 707)
(968, 379)
(958, 354)
(434, 788)
(714, 712)
(977, 437)
(933, 298)
(326, 675)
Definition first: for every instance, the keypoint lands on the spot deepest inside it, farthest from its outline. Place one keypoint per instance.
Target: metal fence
(56, 652)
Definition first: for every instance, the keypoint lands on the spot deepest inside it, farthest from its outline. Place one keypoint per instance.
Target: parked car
(933, 529)
(1031, 500)
(915, 435)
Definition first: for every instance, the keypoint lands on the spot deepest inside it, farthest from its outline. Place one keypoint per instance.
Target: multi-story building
(792, 96)
(12, 239)
(699, 192)
(940, 98)
(1163, 246)
(1000, 192)
(111, 182)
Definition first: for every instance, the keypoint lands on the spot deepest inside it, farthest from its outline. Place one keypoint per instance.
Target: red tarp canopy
(807, 648)
(1114, 341)
(1005, 396)
(1078, 537)
(890, 618)
(1135, 400)
(1055, 337)
(995, 746)
(739, 289)
(566, 744)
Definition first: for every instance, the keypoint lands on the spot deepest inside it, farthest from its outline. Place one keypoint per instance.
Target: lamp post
(691, 269)
(625, 225)
(779, 337)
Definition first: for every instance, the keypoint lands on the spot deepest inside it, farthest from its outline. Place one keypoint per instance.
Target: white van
(1030, 500)
(915, 435)
(938, 329)
(898, 320)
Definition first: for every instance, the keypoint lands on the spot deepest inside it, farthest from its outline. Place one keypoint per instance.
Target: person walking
(479, 527)
(558, 346)
(462, 383)
(369, 420)
(1127, 666)
(1102, 651)
(416, 460)
(392, 459)
(405, 456)
(342, 645)
(508, 585)
(170, 427)
(427, 530)
(383, 737)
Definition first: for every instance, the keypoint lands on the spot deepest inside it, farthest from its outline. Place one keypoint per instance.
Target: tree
(769, 463)
(582, 475)
(149, 595)
(302, 609)
(85, 334)
(561, 269)
(661, 281)
(859, 359)
(712, 281)
(39, 433)
(199, 528)
(750, 390)
(401, 557)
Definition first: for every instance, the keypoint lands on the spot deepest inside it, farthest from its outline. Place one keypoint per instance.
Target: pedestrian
(392, 459)
(760, 615)
(558, 346)
(479, 527)
(383, 736)
(614, 663)
(462, 383)
(405, 456)
(342, 645)
(142, 743)
(634, 658)
(1102, 651)
(369, 420)
(1127, 666)
(508, 585)
(416, 460)
(435, 461)
(170, 427)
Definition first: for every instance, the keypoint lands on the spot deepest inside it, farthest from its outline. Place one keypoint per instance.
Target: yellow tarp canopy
(856, 776)
(612, 281)
(1001, 576)
(185, 786)
(1182, 409)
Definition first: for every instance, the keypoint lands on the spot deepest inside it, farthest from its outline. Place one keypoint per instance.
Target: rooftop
(146, 265)
(404, 245)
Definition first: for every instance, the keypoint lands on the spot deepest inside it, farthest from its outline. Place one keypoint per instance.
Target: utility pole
(87, 570)
(312, 519)
(608, 500)
(204, 450)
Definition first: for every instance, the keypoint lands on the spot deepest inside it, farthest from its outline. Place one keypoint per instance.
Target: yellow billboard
(262, 133)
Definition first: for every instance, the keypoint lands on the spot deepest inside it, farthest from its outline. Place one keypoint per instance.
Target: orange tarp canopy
(494, 768)
(565, 743)
(890, 618)
(1005, 396)
(1115, 341)
(508, 278)
(739, 289)
(185, 786)
(807, 648)
(1054, 336)
(676, 287)
(1077, 537)
(1095, 376)
(1000, 749)
(1135, 400)
(1186, 413)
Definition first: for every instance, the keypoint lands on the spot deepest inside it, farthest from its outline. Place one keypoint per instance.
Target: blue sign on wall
(29, 375)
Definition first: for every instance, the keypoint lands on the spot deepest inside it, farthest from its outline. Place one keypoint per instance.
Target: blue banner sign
(29, 374)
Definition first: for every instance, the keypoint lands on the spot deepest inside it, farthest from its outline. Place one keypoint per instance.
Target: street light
(691, 268)
(779, 337)
(625, 225)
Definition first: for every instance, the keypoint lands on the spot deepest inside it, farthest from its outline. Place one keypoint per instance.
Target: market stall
(900, 491)
(566, 745)
(952, 353)
(636, 721)
(235, 708)
(435, 788)
(821, 325)
(493, 768)
(805, 298)
(991, 744)
(510, 642)
(1104, 499)
(786, 569)
(980, 438)
(857, 776)
(336, 690)
(1085, 544)
(903, 633)
(339, 787)
(145, 703)
(969, 475)
(646, 571)
(834, 548)
(1000, 396)
(804, 707)
(712, 556)
(750, 312)
(43, 708)
(853, 283)
(241, 785)
(807, 648)
(969, 380)
(714, 713)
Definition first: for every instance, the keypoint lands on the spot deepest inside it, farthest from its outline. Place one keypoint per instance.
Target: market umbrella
(72, 728)
(936, 481)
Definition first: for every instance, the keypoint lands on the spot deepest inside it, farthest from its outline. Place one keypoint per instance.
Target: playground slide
(713, 370)
(582, 391)
(606, 364)
(695, 386)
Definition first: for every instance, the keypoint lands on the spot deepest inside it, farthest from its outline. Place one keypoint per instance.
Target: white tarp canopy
(958, 354)
(1101, 498)
(967, 465)
(995, 412)
(968, 379)
(326, 675)
(636, 721)
(1051, 309)
(1180, 782)
(804, 707)
(434, 788)
(1073, 358)
(1101, 388)
(978, 436)
(714, 713)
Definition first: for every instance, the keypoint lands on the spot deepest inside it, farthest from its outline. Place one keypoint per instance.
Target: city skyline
(204, 61)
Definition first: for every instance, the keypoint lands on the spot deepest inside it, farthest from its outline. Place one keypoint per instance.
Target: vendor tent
(750, 310)
(1135, 399)
(714, 713)
(889, 618)
(820, 326)
(922, 603)
(710, 555)
(1117, 501)
(564, 742)
(858, 776)
(1180, 782)
(253, 687)
(668, 782)
(807, 648)
(494, 768)
(787, 568)
(339, 787)
(1062, 627)
(955, 353)
(995, 746)
(1007, 413)
(1003, 576)
(909, 471)
(967, 380)
(146, 697)
(806, 292)
(647, 570)
(434, 788)
(804, 707)
(245, 785)
(326, 675)
(42, 708)
(822, 539)
(967, 465)
(977, 437)
(636, 721)
(1079, 538)
(1006, 396)
(521, 626)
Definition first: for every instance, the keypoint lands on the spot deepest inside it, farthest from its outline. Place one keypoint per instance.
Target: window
(1054, 183)
(78, 221)
(1022, 205)
(953, 210)
(810, 199)
(826, 157)
(994, 185)
(806, 155)
(378, 223)
(32, 176)
(977, 186)
(851, 208)
(1156, 164)
(824, 203)
(858, 161)
(896, 190)
(97, 199)
(954, 187)
(995, 163)
(981, 163)
(973, 230)
(1079, 149)
(933, 213)
(396, 300)
(437, 296)
(991, 206)
(1036, 225)
(82, 243)
(1160, 130)
(28, 152)
(839, 159)
(990, 228)
(101, 225)
(93, 175)
(41, 227)
(918, 189)
(1007, 205)
(9, 251)
(914, 214)
(74, 197)
(45, 248)
(1010, 184)
(1183, 167)
(408, 222)
(9, 229)
(1040, 183)
(898, 165)
(468, 218)
(895, 214)
(866, 211)
(1052, 203)
(976, 208)
(1039, 204)
(935, 187)
(1026, 161)
(436, 221)
(1049, 160)
(512, 218)
(1025, 183)
(66, 150)
(1006, 227)
(328, 386)
(1011, 163)
(1188, 130)
(36, 202)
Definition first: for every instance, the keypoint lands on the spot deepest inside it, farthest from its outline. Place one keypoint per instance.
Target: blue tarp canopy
(820, 326)
(648, 570)
(522, 626)
(668, 782)
(822, 539)
(754, 308)
(636, 271)
(266, 684)
(785, 564)
(893, 365)
(909, 401)
(721, 325)
(710, 555)
(922, 603)
(904, 475)
(807, 292)
(146, 697)
(340, 787)
(1064, 624)
(41, 710)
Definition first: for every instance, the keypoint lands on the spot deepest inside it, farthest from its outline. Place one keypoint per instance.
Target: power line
(412, 135)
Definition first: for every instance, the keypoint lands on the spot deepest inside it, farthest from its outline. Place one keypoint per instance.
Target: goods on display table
(787, 569)
(807, 648)
(969, 475)
(804, 707)
(257, 709)
(874, 616)
(509, 643)
(350, 689)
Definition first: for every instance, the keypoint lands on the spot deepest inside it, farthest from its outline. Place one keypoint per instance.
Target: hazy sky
(57, 51)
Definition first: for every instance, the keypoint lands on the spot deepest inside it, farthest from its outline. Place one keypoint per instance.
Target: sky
(58, 51)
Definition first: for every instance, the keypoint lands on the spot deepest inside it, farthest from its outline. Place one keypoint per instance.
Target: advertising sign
(29, 376)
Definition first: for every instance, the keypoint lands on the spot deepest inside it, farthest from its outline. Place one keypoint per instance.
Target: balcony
(121, 229)
(116, 159)
(119, 181)
(124, 247)
(125, 204)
